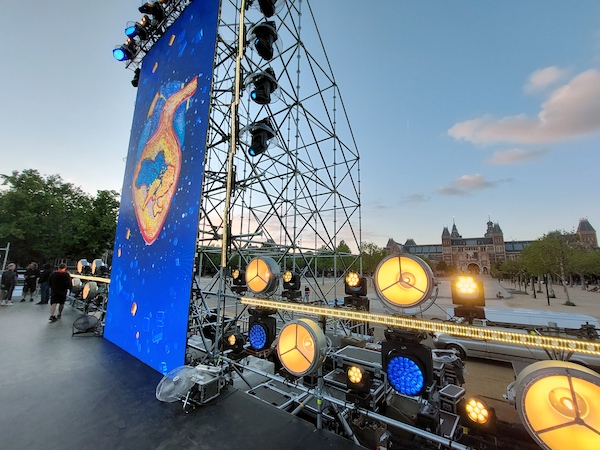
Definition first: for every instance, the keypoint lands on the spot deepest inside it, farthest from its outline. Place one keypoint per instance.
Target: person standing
(44, 286)
(307, 294)
(31, 275)
(9, 281)
(60, 283)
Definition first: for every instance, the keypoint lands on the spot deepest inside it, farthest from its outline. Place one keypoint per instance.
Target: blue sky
(460, 109)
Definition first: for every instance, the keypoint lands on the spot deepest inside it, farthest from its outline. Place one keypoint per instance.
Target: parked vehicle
(524, 321)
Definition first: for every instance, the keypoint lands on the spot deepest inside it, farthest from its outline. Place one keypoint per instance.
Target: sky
(462, 111)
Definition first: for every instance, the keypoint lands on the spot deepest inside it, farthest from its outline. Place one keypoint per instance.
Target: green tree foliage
(371, 257)
(45, 219)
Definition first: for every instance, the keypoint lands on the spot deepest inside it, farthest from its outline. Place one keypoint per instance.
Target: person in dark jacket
(9, 281)
(60, 283)
(31, 275)
(44, 286)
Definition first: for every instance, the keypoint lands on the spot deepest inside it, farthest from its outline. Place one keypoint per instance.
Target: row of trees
(46, 219)
(557, 255)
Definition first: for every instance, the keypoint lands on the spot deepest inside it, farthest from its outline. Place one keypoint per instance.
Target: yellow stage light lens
(301, 347)
(287, 276)
(352, 279)
(262, 275)
(90, 289)
(477, 411)
(403, 281)
(231, 339)
(466, 286)
(235, 274)
(355, 374)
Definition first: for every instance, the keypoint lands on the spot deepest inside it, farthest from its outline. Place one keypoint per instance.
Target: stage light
(408, 365)
(239, 281)
(403, 281)
(262, 137)
(476, 414)
(358, 379)
(269, 7)
(125, 51)
(355, 285)
(263, 38)
(234, 341)
(262, 328)
(77, 286)
(558, 404)
(139, 29)
(301, 347)
(467, 291)
(99, 267)
(262, 275)
(154, 9)
(291, 285)
(262, 86)
(136, 78)
(84, 267)
(90, 290)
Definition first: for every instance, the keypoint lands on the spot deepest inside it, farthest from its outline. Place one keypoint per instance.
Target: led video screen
(152, 269)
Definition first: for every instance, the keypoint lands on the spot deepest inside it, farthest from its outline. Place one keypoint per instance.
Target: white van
(520, 321)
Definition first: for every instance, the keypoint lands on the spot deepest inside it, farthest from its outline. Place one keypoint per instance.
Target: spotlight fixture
(262, 328)
(154, 9)
(77, 286)
(269, 7)
(407, 363)
(99, 267)
(558, 404)
(90, 290)
(262, 275)
(136, 78)
(234, 341)
(301, 347)
(356, 288)
(239, 281)
(262, 86)
(358, 379)
(467, 291)
(263, 38)
(84, 267)
(140, 29)
(262, 137)
(477, 415)
(126, 51)
(291, 285)
(403, 281)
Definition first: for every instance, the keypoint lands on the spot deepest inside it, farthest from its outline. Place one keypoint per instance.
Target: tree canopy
(45, 218)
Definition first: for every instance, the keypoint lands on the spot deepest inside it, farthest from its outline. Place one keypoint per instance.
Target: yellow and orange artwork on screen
(157, 170)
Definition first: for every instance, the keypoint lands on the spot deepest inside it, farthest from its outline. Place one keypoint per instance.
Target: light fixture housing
(291, 285)
(90, 290)
(403, 281)
(301, 347)
(477, 415)
(264, 39)
(262, 87)
(139, 29)
(355, 284)
(270, 7)
(467, 291)
(99, 267)
(154, 9)
(408, 365)
(259, 136)
(126, 51)
(234, 342)
(557, 402)
(262, 328)
(84, 267)
(262, 275)
(358, 379)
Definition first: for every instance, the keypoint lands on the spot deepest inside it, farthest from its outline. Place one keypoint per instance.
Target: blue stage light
(257, 336)
(122, 53)
(405, 375)
(131, 31)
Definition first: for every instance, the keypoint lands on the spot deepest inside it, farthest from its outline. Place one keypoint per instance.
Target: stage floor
(83, 392)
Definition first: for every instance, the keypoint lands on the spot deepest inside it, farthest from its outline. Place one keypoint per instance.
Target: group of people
(54, 286)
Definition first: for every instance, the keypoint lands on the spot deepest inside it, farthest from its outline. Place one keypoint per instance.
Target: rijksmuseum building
(478, 255)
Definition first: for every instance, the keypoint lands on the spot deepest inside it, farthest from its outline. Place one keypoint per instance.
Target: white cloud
(465, 185)
(570, 111)
(414, 198)
(515, 156)
(543, 78)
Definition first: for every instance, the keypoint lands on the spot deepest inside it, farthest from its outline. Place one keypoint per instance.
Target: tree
(372, 256)
(45, 218)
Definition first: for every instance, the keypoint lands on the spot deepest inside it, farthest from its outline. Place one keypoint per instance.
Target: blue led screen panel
(152, 268)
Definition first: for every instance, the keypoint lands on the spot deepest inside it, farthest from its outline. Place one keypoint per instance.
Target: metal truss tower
(297, 201)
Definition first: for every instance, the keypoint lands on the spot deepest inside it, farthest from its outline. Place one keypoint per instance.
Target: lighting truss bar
(85, 277)
(526, 340)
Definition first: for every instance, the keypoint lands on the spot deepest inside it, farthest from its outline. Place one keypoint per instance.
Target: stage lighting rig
(126, 51)
(301, 347)
(262, 328)
(84, 267)
(140, 29)
(263, 37)
(291, 285)
(99, 268)
(262, 137)
(239, 281)
(270, 7)
(407, 363)
(155, 9)
(262, 86)
(355, 288)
